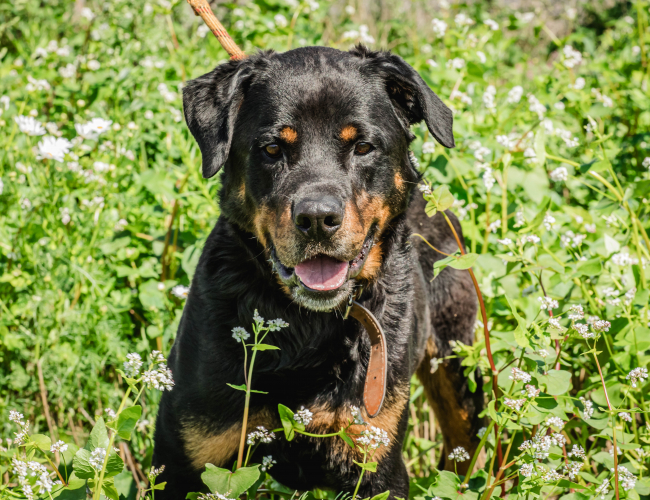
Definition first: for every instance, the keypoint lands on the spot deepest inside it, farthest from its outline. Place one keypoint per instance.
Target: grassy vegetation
(103, 214)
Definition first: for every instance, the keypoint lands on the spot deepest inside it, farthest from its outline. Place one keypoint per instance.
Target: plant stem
(609, 405)
(476, 454)
(98, 486)
(487, 223)
(356, 490)
(242, 439)
(504, 202)
(434, 248)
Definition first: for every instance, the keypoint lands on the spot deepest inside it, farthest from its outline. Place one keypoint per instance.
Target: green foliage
(550, 182)
(230, 483)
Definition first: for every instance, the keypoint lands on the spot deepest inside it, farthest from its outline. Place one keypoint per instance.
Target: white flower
(494, 226)
(463, 20)
(181, 291)
(646, 162)
(559, 106)
(435, 364)
(519, 375)
(154, 473)
(97, 457)
(547, 303)
(53, 148)
(92, 129)
(506, 141)
(261, 434)
(93, 65)
(488, 178)
(87, 13)
(280, 21)
(583, 330)
(481, 432)
(459, 454)
(432, 63)
(274, 325)
(555, 323)
(304, 416)
(488, 97)
(357, 419)
(36, 84)
(514, 404)
(536, 107)
(531, 238)
(549, 220)
(493, 25)
(148, 114)
(551, 477)
(456, 63)
(572, 57)
(29, 125)
(132, 364)
(567, 137)
(373, 438)
(527, 470)
(481, 56)
(560, 174)
(481, 152)
(202, 30)
(514, 96)
(589, 408)
(519, 218)
(159, 378)
(577, 451)
(579, 84)
(576, 312)
(555, 422)
(628, 480)
(637, 375)
(5, 100)
(603, 489)
(570, 239)
(267, 463)
(110, 413)
(601, 325)
(350, 10)
(428, 147)
(606, 101)
(240, 334)
(439, 27)
(625, 416)
(531, 391)
(505, 241)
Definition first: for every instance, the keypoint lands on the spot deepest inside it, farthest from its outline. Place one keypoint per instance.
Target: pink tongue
(322, 273)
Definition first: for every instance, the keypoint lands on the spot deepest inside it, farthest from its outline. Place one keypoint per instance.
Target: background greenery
(92, 247)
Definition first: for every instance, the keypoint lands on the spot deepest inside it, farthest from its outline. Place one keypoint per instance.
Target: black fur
(233, 112)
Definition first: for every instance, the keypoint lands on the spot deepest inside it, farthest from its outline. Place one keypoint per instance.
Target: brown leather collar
(374, 390)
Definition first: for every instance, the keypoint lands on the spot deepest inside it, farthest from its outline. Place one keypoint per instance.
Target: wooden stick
(46, 406)
(202, 8)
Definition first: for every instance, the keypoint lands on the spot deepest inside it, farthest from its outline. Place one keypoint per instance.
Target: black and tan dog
(317, 200)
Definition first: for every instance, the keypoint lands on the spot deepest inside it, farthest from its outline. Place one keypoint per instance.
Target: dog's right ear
(211, 103)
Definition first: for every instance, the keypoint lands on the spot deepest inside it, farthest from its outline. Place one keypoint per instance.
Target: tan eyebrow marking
(348, 133)
(289, 135)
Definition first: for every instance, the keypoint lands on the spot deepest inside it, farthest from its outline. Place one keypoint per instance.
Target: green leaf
(160, 486)
(539, 146)
(42, 441)
(539, 218)
(126, 421)
(81, 465)
(521, 333)
(238, 387)
(114, 466)
(381, 496)
(264, 347)
(369, 466)
(98, 436)
(439, 265)
(346, 438)
(431, 208)
(441, 199)
(231, 483)
(592, 267)
(464, 261)
(286, 417)
(108, 488)
(557, 382)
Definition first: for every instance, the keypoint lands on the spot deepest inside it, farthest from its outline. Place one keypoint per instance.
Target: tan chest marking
(204, 447)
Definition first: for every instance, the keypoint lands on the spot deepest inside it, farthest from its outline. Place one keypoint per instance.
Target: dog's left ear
(210, 103)
(413, 98)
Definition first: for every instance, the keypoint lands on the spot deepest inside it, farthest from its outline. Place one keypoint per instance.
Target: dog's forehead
(328, 86)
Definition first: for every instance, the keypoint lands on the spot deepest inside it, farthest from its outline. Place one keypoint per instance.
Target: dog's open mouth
(323, 273)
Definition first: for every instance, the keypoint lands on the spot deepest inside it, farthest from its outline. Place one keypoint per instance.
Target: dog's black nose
(318, 217)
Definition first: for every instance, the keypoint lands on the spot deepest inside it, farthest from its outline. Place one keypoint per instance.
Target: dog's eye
(363, 148)
(273, 150)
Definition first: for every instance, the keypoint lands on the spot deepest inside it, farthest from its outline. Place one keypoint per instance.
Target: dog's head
(315, 147)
